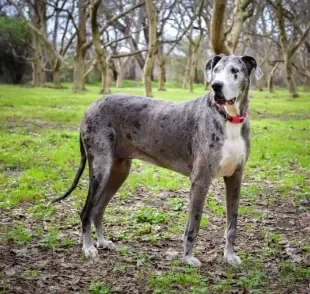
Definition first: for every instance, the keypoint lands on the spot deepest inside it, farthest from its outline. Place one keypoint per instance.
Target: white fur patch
(233, 150)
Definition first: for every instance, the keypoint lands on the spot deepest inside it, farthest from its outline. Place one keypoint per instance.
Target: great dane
(202, 139)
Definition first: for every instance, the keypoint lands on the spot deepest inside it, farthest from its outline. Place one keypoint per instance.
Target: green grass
(39, 155)
(187, 279)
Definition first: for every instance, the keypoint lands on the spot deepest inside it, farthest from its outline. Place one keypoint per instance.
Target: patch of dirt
(255, 114)
(34, 268)
(33, 126)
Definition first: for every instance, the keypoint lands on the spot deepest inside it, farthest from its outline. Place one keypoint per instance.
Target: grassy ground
(40, 246)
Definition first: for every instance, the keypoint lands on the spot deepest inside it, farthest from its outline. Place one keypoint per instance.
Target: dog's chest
(233, 150)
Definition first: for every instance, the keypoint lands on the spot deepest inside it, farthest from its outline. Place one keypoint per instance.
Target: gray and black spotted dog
(202, 139)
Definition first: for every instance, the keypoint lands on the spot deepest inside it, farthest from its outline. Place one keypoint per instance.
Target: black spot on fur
(162, 150)
(217, 139)
(109, 124)
(197, 217)
(137, 124)
(209, 102)
(218, 126)
(211, 145)
(111, 137)
(189, 148)
(190, 239)
(96, 180)
(128, 136)
(190, 236)
(156, 141)
(90, 156)
(213, 137)
(142, 107)
(91, 127)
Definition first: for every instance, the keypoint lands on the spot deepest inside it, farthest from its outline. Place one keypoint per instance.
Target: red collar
(233, 119)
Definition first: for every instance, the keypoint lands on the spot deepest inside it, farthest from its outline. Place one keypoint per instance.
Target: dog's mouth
(221, 100)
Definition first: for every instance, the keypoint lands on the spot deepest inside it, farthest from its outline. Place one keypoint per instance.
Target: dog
(202, 139)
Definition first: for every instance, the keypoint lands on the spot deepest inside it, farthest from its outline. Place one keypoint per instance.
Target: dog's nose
(217, 86)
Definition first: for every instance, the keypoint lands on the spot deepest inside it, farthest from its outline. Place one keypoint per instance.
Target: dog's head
(230, 76)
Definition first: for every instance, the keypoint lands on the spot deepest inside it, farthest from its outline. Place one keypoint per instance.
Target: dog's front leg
(198, 194)
(233, 186)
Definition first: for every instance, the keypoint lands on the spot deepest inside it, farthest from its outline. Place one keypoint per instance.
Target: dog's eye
(216, 70)
(234, 70)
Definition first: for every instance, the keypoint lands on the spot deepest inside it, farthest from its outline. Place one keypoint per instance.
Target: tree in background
(226, 41)
(15, 50)
(289, 46)
(112, 40)
(36, 20)
(152, 47)
(102, 59)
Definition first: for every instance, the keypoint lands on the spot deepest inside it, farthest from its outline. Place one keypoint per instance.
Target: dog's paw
(232, 258)
(191, 260)
(90, 252)
(105, 244)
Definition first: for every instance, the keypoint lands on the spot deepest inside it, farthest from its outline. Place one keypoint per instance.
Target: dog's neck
(240, 106)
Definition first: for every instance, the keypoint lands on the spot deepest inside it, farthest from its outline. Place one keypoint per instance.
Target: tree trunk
(259, 85)
(194, 61)
(79, 71)
(306, 86)
(289, 75)
(192, 72)
(38, 73)
(149, 63)
(270, 78)
(217, 27)
(80, 51)
(39, 22)
(105, 74)
(132, 70)
(100, 52)
(270, 84)
(120, 78)
(240, 15)
(162, 72)
(188, 67)
(120, 65)
(56, 74)
(56, 79)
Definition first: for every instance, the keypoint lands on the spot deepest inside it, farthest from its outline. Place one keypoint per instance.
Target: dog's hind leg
(233, 186)
(100, 160)
(119, 172)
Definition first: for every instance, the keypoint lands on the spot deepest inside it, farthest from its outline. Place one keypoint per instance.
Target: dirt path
(274, 246)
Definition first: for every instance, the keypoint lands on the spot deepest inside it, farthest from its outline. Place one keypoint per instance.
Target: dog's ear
(251, 64)
(211, 63)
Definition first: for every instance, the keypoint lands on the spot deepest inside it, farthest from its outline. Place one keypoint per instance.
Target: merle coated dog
(202, 139)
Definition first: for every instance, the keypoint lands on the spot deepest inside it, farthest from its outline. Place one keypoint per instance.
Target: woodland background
(89, 41)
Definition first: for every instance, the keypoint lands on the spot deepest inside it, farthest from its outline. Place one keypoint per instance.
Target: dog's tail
(77, 176)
